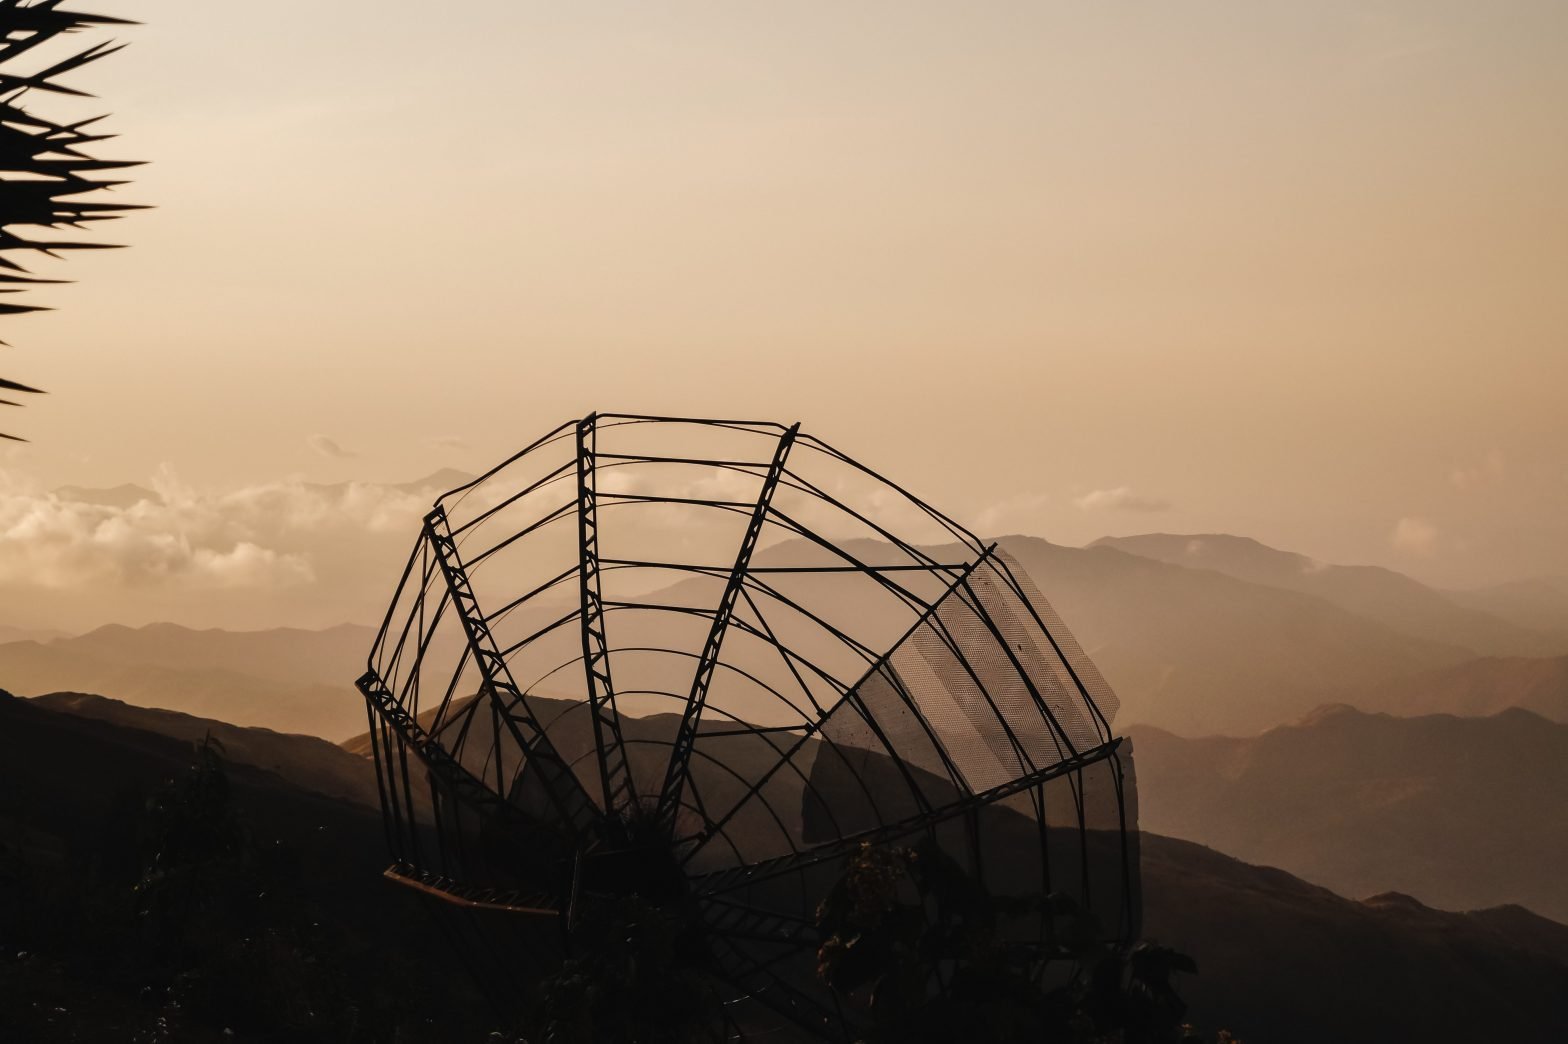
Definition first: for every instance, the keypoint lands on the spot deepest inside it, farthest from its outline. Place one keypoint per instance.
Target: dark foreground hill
(1459, 812)
(137, 903)
(1281, 960)
(305, 761)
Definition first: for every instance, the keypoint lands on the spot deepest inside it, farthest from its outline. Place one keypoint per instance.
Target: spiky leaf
(44, 166)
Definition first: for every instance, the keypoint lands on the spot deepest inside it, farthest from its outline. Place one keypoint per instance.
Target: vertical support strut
(562, 787)
(614, 775)
(675, 776)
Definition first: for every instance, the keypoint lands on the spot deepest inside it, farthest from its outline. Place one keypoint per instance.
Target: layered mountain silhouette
(1541, 603)
(1459, 812)
(286, 679)
(1198, 652)
(129, 494)
(1191, 650)
(28, 634)
(1476, 687)
(1198, 636)
(1378, 594)
(1280, 960)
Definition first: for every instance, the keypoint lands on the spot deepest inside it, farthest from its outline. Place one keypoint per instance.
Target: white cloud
(329, 447)
(1414, 536)
(270, 535)
(1488, 471)
(1019, 513)
(451, 442)
(246, 565)
(1122, 498)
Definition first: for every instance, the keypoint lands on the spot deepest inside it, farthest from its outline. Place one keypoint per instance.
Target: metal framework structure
(702, 662)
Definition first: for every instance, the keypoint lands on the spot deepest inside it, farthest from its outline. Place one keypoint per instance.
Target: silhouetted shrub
(901, 921)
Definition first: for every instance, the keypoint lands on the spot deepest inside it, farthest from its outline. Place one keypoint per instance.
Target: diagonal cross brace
(560, 784)
(614, 775)
(675, 777)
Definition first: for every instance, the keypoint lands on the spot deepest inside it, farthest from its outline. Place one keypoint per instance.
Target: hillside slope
(1459, 812)
(333, 951)
(306, 761)
(1281, 961)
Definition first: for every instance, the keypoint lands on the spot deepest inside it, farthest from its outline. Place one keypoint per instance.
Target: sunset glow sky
(1295, 271)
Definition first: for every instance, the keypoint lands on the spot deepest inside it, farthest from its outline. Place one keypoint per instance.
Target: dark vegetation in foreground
(901, 917)
(163, 896)
(133, 908)
(898, 919)
(189, 919)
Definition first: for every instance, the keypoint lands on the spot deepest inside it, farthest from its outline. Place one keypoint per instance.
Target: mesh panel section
(1071, 654)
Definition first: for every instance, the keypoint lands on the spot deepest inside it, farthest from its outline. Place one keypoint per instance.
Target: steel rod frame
(729, 643)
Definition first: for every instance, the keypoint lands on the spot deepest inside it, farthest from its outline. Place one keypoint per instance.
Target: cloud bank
(263, 536)
(1122, 498)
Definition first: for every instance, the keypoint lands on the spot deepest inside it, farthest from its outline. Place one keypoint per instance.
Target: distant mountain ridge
(286, 679)
(1198, 652)
(1191, 650)
(1541, 603)
(1379, 594)
(129, 494)
(29, 634)
(1480, 687)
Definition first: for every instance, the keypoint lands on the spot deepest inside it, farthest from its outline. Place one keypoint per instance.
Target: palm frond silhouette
(45, 168)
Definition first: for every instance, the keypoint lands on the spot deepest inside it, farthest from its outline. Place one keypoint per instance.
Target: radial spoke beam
(615, 777)
(562, 787)
(677, 773)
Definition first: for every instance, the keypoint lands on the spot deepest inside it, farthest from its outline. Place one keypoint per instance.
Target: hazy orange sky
(1290, 270)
